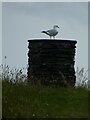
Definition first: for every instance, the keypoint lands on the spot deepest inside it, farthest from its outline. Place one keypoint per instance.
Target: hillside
(25, 101)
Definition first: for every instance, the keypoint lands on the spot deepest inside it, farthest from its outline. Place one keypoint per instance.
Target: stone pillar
(52, 61)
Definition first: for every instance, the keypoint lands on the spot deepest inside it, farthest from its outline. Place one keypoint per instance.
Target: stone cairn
(51, 62)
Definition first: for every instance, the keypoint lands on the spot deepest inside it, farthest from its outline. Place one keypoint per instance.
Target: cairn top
(61, 39)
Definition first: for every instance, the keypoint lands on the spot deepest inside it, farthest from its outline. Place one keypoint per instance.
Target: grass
(26, 101)
(22, 100)
(0, 99)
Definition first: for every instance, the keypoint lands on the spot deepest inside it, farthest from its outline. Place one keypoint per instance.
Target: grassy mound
(26, 101)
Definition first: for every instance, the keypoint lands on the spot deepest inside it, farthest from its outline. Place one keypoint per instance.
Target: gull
(53, 32)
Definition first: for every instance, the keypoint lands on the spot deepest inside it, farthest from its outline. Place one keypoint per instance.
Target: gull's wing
(52, 32)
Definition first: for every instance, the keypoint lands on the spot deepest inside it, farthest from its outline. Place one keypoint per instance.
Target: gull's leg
(53, 37)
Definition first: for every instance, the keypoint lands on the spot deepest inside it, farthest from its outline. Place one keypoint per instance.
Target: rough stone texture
(52, 61)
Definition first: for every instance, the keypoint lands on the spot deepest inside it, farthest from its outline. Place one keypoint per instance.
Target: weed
(82, 78)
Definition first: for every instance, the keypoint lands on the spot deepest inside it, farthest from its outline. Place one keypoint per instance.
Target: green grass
(0, 99)
(25, 101)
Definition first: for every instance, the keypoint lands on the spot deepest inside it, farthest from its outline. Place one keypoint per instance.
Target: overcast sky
(0, 33)
(24, 21)
(44, 0)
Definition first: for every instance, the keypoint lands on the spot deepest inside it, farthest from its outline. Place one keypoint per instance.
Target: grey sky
(45, 1)
(0, 33)
(23, 21)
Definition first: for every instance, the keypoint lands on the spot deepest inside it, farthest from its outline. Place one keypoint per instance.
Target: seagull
(53, 32)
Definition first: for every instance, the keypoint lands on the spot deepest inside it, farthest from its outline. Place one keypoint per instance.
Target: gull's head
(55, 26)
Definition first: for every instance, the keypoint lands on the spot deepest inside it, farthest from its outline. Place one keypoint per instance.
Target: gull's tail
(45, 32)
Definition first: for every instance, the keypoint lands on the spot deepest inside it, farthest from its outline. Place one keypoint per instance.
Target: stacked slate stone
(52, 62)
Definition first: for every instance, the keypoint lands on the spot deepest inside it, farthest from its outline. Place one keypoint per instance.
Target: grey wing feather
(52, 32)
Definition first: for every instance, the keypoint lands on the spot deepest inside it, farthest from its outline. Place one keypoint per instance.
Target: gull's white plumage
(53, 32)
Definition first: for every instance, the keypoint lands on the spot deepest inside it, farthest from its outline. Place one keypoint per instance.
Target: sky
(23, 21)
(0, 33)
(44, 0)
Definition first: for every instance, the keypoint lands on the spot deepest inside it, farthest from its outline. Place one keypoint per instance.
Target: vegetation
(22, 100)
(82, 78)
